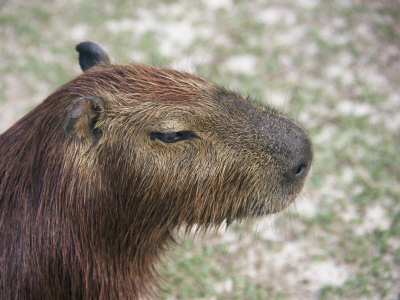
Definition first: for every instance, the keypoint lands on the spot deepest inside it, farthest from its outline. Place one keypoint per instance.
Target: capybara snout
(299, 162)
(291, 146)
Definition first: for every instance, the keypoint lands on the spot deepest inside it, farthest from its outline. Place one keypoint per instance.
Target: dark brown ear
(90, 55)
(82, 117)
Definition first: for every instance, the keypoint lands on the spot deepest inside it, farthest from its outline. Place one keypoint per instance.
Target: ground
(332, 65)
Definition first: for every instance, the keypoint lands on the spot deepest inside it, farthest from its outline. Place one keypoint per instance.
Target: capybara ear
(82, 117)
(91, 54)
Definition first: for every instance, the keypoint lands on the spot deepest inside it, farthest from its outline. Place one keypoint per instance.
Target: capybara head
(203, 153)
(107, 167)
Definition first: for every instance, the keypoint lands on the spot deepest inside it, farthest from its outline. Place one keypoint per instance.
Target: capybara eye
(172, 137)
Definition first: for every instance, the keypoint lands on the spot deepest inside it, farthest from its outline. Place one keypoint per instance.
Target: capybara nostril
(300, 171)
(301, 158)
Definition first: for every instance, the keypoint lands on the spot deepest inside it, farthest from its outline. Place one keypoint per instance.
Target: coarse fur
(88, 201)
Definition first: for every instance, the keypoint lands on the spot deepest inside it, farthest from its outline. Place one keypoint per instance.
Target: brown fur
(88, 202)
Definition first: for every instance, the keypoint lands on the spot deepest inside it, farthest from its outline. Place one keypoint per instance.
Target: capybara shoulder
(97, 178)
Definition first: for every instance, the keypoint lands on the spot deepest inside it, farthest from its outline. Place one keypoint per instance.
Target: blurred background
(332, 65)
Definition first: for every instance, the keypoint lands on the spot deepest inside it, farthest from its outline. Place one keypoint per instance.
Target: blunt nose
(301, 157)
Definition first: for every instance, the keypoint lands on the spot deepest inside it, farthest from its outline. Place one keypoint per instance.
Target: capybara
(96, 179)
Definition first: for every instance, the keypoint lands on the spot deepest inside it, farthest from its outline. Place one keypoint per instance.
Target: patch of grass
(8, 20)
(358, 287)
(249, 291)
(37, 68)
(325, 219)
(41, 13)
(149, 45)
(190, 275)
(3, 95)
